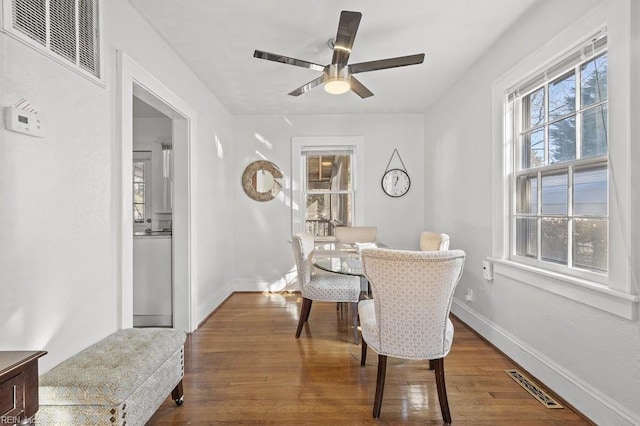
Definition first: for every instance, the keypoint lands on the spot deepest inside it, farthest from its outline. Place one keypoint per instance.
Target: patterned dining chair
(432, 241)
(355, 234)
(408, 316)
(327, 287)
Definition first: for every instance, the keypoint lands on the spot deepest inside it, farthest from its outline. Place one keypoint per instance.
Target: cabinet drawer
(12, 396)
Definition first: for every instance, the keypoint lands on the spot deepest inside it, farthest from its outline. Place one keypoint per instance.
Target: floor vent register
(533, 388)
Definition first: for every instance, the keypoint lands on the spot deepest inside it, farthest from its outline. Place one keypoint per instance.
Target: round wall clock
(396, 182)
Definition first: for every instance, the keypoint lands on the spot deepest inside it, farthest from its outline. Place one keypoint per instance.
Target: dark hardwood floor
(244, 366)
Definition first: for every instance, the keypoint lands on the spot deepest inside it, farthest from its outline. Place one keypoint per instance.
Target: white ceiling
(216, 39)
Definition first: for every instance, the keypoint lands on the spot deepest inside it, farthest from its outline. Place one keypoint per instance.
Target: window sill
(583, 291)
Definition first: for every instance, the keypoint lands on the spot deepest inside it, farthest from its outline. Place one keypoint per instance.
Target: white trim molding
(587, 292)
(134, 79)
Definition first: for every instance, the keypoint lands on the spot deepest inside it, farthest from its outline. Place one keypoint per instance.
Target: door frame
(135, 80)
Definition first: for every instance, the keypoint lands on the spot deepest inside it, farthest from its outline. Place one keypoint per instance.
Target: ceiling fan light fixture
(337, 86)
(336, 79)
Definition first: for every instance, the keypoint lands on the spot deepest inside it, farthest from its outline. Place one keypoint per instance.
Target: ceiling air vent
(66, 30)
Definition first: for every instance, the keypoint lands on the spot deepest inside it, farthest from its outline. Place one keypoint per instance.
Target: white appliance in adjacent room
(152, 292)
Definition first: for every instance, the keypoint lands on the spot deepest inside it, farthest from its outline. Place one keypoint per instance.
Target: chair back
(302, 247)
(412, 294)
(355, 234)
(432, 241)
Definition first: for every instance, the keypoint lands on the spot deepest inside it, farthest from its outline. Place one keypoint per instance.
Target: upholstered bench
(120, 380)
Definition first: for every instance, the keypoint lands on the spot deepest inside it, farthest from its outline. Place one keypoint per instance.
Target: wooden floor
(244, 366)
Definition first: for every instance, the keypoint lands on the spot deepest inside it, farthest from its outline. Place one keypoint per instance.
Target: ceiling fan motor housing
(336, 78)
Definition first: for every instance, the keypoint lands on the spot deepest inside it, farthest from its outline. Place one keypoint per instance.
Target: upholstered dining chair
(326, 287)
(355, 234)
(408, 316)
(432, 241)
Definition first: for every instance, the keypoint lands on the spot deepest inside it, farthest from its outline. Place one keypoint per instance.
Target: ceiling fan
(338, 76)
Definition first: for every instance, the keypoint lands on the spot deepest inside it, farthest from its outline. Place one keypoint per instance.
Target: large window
(328, 190)
(325, 177)
(560, 179)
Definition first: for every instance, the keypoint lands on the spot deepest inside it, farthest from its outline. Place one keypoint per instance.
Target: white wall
(590, 357)
(263, 230)
(59, 196)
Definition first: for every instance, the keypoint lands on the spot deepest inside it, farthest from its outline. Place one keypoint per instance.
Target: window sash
(527, 225)
(324, 227)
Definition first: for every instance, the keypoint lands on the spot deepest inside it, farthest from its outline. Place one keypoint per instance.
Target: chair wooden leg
(354, 315)
(363, 355)
(432, 364)
(442, 390)
(382, 372)
(304, 314)
(178, 394)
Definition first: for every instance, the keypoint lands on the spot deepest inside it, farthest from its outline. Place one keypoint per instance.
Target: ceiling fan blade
(382, 64)
(306, 87)
(347, 29)
(287, 60)
(359, 88)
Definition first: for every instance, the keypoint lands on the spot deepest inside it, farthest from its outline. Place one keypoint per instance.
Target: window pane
(324, 211)
(138, 193)
(554, 194)
(590, 248)
(527, 198)
(329, 172)
(554, 240)
(594, 81)
(138, 213)
(138, 172)
(533, 149)
(527, 237)
(562, 96)
(533, 108)
(562, 140)
(590, 195)
(594, 131)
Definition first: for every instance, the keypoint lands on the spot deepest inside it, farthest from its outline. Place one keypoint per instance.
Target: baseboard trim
(596, 406)
(271, 285)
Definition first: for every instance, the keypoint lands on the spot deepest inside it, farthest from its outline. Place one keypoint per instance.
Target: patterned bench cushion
(108, 372)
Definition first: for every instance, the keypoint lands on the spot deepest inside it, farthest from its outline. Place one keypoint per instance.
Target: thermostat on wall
(27, 122)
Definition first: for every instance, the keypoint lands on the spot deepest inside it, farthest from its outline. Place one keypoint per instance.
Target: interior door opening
(152, 210)
(136, 82)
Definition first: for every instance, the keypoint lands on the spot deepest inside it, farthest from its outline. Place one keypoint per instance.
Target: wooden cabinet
(18, 385)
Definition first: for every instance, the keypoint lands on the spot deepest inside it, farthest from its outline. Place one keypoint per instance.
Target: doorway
(137, 83)
(152, 216)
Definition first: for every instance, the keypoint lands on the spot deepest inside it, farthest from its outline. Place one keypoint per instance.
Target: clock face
(396, 183)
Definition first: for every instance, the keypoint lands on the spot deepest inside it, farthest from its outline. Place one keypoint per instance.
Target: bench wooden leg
(177, 394)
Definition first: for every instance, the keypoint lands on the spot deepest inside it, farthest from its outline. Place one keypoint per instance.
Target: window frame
(520, 128)
(618, 293)
(329, 150)
(318, 143)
